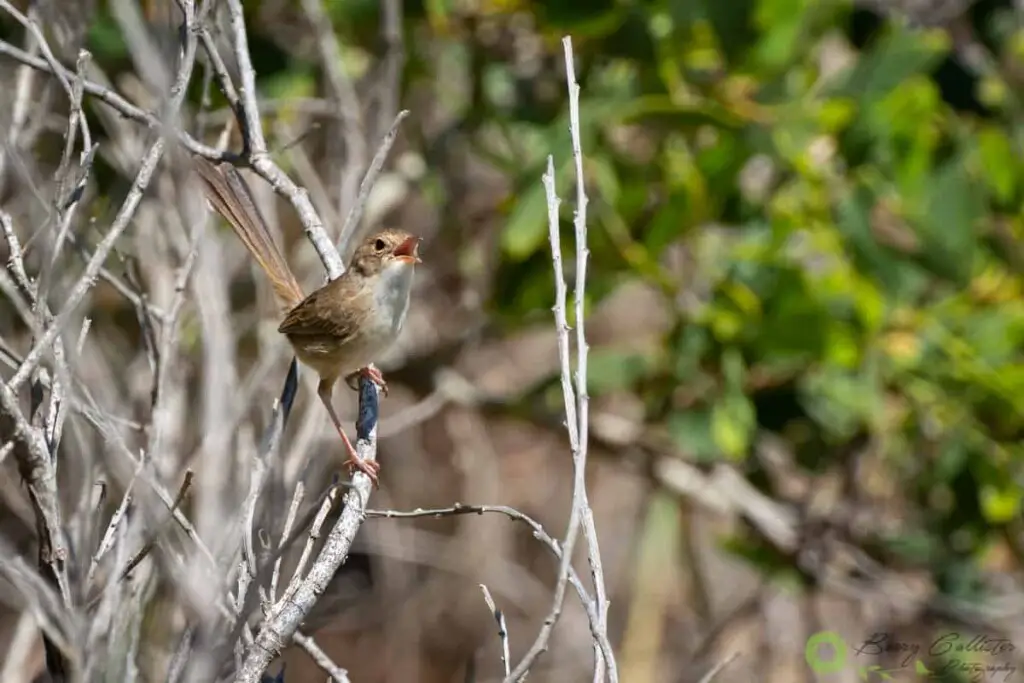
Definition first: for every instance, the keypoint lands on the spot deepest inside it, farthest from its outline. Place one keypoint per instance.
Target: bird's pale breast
(376, 332)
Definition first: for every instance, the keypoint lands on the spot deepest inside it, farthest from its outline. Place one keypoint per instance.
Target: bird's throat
(391, 294)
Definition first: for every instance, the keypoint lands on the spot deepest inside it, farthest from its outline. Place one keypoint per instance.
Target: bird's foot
(370, 468)
(371, 373)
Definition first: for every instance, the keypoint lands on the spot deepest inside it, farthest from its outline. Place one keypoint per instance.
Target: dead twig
(499, 618)
(576, 406)
(186, 484)
(337, 674)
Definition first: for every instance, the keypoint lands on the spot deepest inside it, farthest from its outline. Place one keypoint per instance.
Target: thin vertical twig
(351, 227)
(540, 643)
(343, 92)
(499, 618)
(576, 404)
(582, 398)
(394, 60)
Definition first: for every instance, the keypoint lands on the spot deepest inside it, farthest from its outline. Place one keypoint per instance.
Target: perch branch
(285, 615)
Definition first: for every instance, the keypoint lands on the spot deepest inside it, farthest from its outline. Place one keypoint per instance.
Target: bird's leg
(371, 373)
(368, 467)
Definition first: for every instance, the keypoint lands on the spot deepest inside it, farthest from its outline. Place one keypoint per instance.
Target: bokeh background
(804, 307)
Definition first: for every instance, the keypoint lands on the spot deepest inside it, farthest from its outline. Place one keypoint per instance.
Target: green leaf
(999, 163)
(732, 425)
(438, 11)
(667, 225)
(290, 85)
(690, 348)
(951, 461)
(105, 40)
(600, 169)
(842, 402)
(783, 24)
(902, 279)
(611, 370)
(692, 432)
(581, 17)
(661, 109)
(897, 55)
(915, 546)
(732, 23)
(1000, 505)
(527, 226)
(954, 206)
(733, 369)
(794, 324)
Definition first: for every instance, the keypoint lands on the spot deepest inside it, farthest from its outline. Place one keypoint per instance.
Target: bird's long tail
(229, 195)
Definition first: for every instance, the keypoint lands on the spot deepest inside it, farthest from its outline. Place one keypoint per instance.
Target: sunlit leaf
(1001, 505)
(999, 162)
(732, 424)
(527, 226)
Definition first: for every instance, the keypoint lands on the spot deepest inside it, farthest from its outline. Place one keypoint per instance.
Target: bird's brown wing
(331, 311)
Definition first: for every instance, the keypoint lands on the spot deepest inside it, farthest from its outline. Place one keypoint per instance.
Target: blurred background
(804, 308)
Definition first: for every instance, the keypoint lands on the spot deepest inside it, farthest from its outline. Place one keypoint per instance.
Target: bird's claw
(368, 467)
(371, 373)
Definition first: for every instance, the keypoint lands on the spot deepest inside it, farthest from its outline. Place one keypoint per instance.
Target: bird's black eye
(379, 245)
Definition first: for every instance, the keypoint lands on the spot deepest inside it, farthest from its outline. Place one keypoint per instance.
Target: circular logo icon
(825, 662)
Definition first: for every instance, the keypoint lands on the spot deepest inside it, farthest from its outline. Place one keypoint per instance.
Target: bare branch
(23, 105)
(337, 674)
(55, 67)
(540, 644)
(120, 224)
(347, 101)
(717, 668)
(499, 617)
(394, 60)
(58, 624)
(286, 615)
(538, 532)
(183, 490)
(583, 412)
(351, 227)
(576, 402)
(114, 100)
(289, 522)
(107, 542)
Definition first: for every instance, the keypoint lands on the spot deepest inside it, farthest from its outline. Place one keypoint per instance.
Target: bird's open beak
(408, 251)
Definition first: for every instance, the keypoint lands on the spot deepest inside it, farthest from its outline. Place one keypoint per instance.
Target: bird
(339, 329)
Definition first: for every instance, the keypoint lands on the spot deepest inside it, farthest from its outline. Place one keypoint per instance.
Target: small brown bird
(339, 329)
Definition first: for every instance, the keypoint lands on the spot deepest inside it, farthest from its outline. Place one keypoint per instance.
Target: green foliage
(841, 230)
